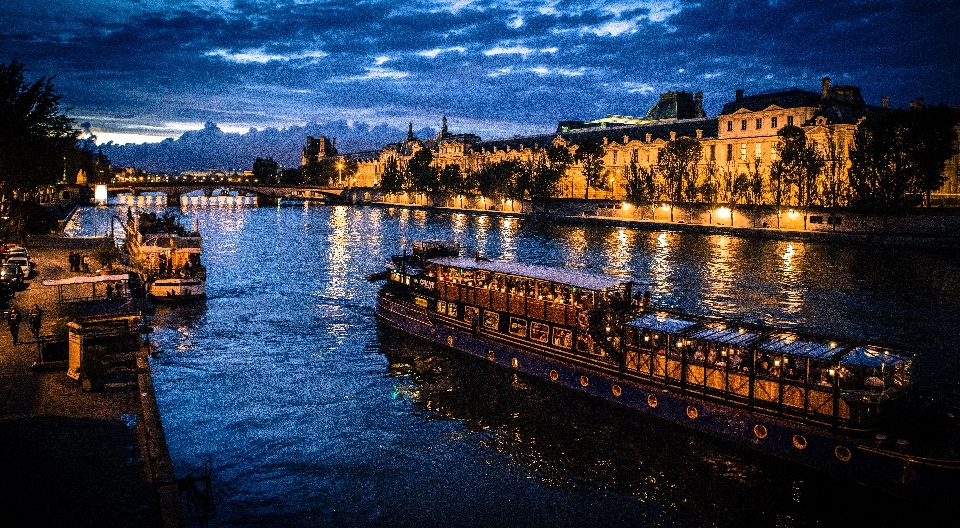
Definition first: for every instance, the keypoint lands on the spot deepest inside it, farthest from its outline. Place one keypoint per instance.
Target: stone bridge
(266, 193)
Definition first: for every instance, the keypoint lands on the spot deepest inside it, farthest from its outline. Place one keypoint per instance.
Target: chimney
(825, 87)
(739, 95)
(885, 101)
(605, 140)
(699, 134)
(673, 135)
(698, 99)
(626, 139)
(649, 137)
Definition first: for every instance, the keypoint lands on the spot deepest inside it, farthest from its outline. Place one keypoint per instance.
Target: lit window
(743, 124)
(773, 152)
(713, 152)
(729, 151)
(636, 155)
(614, 157)
(743, 151)
(789, 120)
(759, 123)
(773, 122)
(758, 150)
(729, 126)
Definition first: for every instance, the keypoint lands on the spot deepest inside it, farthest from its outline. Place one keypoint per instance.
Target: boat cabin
(781, 372)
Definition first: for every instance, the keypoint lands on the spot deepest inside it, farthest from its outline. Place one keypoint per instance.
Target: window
(636, 155)
(562, 337)
(789, 120)
(729, 151)
(759, 123)
(773, 122)
(713, 152)
(539, 332)
(491, 320)
(518, 327)
(758, 150)
(773, 151)
(729, 126)
(743, 152)
(743, 124)
(614, 157)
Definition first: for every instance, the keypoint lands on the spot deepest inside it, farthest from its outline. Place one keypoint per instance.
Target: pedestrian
(86, 264)
(14, 321)
(35, 316)
(109, 291)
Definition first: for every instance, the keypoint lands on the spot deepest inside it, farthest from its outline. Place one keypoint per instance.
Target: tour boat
(840, 406)
(168, 257)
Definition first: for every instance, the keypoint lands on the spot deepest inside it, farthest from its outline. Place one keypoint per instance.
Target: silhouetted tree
(677, 163)
(640, 188)
(589, 154)
(266, 170)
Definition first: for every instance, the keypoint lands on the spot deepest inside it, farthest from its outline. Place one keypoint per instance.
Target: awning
(661, 323)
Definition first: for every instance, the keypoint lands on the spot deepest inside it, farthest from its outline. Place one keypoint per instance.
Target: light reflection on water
(312, 418)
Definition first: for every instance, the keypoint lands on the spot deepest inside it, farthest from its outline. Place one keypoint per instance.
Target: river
(310, 416)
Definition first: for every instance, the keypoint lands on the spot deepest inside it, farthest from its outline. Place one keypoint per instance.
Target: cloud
(517, 50)
(433, 53)
(259, 56)
(377, 73)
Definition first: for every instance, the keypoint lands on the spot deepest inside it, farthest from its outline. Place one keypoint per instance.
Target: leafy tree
(933, 138)
(798, 166)
(545, 171)
(834, 155)
(589, 154)
(424, 177)
(640, 187)
(37, 138)
(290, 176)
(498, 180)
(266, 170)
(451, 181)
(677, 163)
(393, 178)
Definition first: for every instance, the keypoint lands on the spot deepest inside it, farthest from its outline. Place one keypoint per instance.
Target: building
(741, 141)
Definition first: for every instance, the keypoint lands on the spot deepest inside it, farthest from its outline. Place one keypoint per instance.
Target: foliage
(498, 180)
(640, 187)
(30, 120)
(589, 154)
(424, 177)
(266, 170)
(329, 171)
(393, 178)
(797, 168)
(677, 163)
(106, 253)
(900, 155)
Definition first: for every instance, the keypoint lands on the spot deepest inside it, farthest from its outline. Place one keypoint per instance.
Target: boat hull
(862, 459)
(176, 290)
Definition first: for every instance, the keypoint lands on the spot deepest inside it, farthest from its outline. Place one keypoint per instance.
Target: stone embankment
(70, 457)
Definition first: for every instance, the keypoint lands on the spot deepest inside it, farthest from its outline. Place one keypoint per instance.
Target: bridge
(266, 193)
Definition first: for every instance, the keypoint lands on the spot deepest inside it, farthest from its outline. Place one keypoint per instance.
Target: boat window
(584, 343)
(471, 314)
(562, 337)
(539, 332)
(482, 278)
(518, 327)
(467, 278)
(451, 309)
(491, 320)
(442, 306)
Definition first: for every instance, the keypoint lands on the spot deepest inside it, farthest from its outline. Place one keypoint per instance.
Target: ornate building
(741, 140)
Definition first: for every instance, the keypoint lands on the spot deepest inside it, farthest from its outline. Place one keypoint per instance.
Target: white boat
(168, 256)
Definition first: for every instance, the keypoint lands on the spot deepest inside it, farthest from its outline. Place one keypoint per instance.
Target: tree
(589, 154)
(497, 180)
(545, 172)
(450, 181)
(37, 138)
(899, 156)
(834, 155)
(424, 177)
(640, 188)
(393, 178)
(266, 170)
(798, 166)
(677, 163)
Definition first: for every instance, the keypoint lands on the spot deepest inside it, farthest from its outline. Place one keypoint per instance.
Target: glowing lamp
(100, 194)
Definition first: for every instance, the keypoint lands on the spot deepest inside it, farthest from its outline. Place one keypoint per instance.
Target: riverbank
(70, 457)
(590, 214)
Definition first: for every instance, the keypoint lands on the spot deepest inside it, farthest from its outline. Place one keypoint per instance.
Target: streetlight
(340, 173)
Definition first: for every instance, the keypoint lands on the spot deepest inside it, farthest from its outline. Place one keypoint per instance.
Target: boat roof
(871, 356)
(85, 279)
(661, 322)
(569, 277)
(725, 333)
(788, 343)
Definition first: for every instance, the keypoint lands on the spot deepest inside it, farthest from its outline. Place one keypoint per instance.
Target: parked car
(12, 275)
(24, 264)
(16, 251)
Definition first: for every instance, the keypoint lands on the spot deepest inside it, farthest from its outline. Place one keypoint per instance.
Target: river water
(310, 416)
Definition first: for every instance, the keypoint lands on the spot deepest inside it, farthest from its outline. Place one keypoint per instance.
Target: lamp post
(340, 173)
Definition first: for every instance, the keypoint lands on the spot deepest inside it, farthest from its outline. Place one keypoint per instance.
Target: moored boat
(840, 406)
(167, 256)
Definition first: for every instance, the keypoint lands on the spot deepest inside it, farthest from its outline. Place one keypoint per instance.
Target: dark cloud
(501, 68)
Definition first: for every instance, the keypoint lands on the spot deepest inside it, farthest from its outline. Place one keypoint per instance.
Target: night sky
(133, 69)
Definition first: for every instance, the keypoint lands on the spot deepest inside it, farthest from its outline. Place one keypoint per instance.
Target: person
(86, 264)
(35, 316)
(13, 320)
(109, 291)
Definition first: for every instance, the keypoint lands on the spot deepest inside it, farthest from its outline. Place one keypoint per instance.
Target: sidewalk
(68, 457)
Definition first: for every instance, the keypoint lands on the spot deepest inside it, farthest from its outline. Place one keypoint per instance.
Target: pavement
(73, 458)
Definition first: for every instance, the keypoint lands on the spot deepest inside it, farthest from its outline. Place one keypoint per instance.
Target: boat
(167, 256)
(300, 198)
(839, 406)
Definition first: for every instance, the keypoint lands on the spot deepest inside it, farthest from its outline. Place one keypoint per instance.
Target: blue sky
(138, 70)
